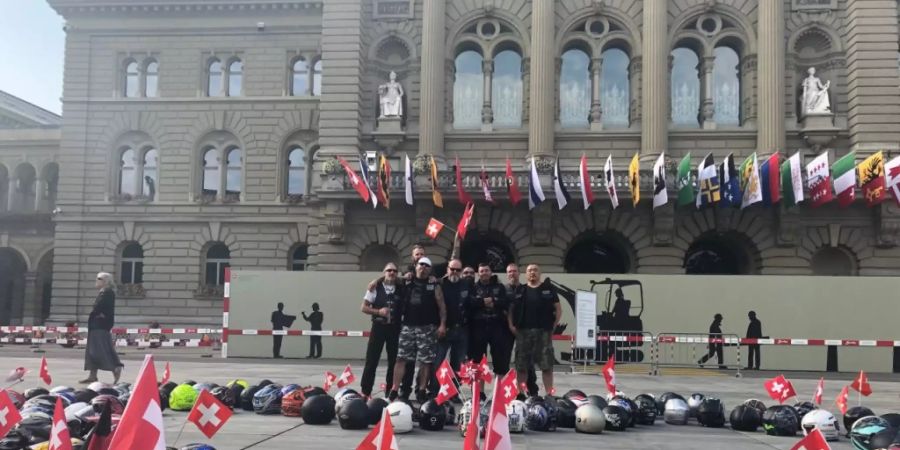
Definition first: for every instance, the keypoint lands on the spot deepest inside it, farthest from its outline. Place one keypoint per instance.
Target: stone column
(655, 79)
(748, 87)
(770, 75)
(487, 112)
(596, 108)
(11, 194)
(543, 78)
(31, 304)
(707, 100)
(38, 193)
(634, 84)
(431, 115)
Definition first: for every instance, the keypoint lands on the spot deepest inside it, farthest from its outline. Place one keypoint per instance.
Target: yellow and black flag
(384, 181)
(435, 193)
(870, 176)
(634, 179)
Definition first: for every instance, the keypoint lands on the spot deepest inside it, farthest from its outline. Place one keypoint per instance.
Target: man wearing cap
(423, 319)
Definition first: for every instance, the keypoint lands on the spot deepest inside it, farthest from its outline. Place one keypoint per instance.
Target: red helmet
(17, 399)
(292, 402)
(115, 405)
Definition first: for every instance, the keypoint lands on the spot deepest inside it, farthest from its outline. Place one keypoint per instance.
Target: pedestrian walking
(100, 353)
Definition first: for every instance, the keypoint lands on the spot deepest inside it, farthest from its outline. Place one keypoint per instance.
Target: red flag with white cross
(465, 220)
(861, 384)
(358, 184)
(167, 373)
(59, 431)
(820, 389)
(9, 414)
(330, 378)
(44, 373)
(779, 388)
(484, 370)
(496, 436)
(841, 400)
(434, 228)
(346, 377)
(609, 374)
(382, 436)
(209, 414)
(141, 426)
(813, 441)
(447, 390)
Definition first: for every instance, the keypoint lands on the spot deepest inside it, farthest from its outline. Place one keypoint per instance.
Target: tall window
(210, 171)
(296, 175)
(235, 78)
(726, 87)
(132, 80)
(317, 78)
(233, 171)
(132, 269)
(127, 172)
(215, 86)
(299, 77)
(575, 89)
(685, 88)
(151, 79)
(615, 87)
(298, 258)
(506, 89)
(468, 90)
(151, 173)
(217, 259)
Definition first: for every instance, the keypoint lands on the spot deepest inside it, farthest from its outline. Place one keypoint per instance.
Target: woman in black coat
(100, 353)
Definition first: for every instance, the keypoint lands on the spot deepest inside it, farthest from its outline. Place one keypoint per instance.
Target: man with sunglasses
(457, 292)
(488, 324)
(382, 302)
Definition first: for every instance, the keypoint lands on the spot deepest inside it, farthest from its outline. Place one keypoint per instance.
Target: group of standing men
(420, 318)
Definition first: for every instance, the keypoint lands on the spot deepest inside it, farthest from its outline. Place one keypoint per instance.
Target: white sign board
(586, 319)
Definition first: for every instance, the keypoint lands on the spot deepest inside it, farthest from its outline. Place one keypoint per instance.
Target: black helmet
(168, 387)
(597, 401)
(15, 440)
(534, 400)
(318, 410)
(616, 418)
(224, 395)
(34, 392)
(711, 413)
(745, 418)
(536, 417)
(853, 414)
(236, 391)
(756, 404)
(108, 391)
(189, 382)
(872, 432)
(578, 397)
(376, 405)
(662, 399)
(432, 416)
(646, 409)
(630, 409)
(247, 397)
(84, 395)
(803, 408)
(892, 418)
(264, 383)
(268, 400)
(354, 415)
(566, 417)
(205, 387)
(552, 405)
(315, 391)
(781, 420)
(163, 400)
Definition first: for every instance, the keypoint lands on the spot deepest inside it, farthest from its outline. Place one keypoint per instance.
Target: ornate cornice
(77, 7)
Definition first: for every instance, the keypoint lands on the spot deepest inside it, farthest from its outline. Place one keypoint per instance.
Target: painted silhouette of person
(280, 321)
(754, 330)
(715, 332)
(315, 324)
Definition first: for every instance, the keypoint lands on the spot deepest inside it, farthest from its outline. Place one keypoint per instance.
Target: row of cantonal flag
(726, 184)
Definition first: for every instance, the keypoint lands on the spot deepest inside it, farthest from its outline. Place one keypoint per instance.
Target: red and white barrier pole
(226, 301)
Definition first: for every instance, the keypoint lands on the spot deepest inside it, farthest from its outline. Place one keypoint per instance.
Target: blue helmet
(268, 400)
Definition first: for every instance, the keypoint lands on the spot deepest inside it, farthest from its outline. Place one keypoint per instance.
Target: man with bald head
(457, 291)
(532, 318)
(514, 291)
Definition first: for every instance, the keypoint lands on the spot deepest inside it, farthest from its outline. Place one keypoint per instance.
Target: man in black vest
(488, 324)
(457, 292)
(514, 291)
(532, 318)
(382, 303)
(424, 319)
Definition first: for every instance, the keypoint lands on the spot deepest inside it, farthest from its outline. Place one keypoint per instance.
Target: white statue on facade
(815, 94)
(391, 97)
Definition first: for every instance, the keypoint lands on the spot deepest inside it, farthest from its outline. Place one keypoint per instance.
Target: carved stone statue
(815, 95)
(391, 97)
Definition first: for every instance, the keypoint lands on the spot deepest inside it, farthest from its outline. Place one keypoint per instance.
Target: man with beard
(457, 292)
(515, 291)
(488, 324)
(532, 318)
(383, 304)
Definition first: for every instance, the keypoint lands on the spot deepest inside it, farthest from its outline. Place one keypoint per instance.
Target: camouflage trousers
(418, 343)
(533, 346)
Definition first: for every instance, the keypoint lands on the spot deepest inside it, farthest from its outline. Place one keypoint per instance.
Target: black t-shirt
(531, 302)
(420, 304)
(536, 308)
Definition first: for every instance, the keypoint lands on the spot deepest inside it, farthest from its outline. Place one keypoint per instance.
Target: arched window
(132, 79)
(375, 256)
(296, 173)
(714, 254)
(235, 78)
(489, 249)
(506, 89)
(834, 262)
(151, 173)
(132, 267)
(215, 86)
(317, 78)
(218, 257)
(298, 257)
(468, 90)
(575, 89)
(210, 171)
(127, 171)
(726, 87)
(299, 77)
(615, 88)
(151, 79)
(597, 255)
(685, 88)
(233, 171)
(48, 188)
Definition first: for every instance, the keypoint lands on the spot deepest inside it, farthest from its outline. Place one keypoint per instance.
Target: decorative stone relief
(663, 225)
(541, 224)
(787, 222)
(393, 9)
(334, 220)
(887, 225)
(799, 5)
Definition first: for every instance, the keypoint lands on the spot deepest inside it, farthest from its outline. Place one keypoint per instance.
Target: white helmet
(72, 410)
(824, 421)
(589, 419)
(401, 417)
(516, 411)
(464, 416)
(343, 400)
(676, 412)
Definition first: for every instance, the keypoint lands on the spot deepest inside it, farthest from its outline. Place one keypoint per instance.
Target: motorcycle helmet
(463, 417)
(756, 404)
(354, 415)
(224, 395)
(265, 382)
(246, 397)
(576, 396)
(238, 382)
(84, 395)
(59, 389)
(125, 397)
(292, 402)
(745, 418)
(315, 391)
(199, 387)
(824, 421)
(288, 388)
(432, 416)
(662, 399)
(853, 414)
(616, 418)
(376, 405)
(536, 417)
(483, 416)
(629, 416)
(97, 385)
(163, 401)
(566, 417)
(872, 433)
(14, 440)
(646, 409)
(115, 405)
(676, 412)
(781, 420)
(36, 426)
(40, 403)
(168, 387)
(268, 400)
(803, 408)
(189, 382)
(516, 411)
(597, 401)
(401, 417)
(16, 398)
(892, 418)
(182, 398)
(694, 402)
(534, 400)
(108, 391)
(34, 392)
(589, 419)
(343, 400)
(318, 410)
(552, 406)
(198, 447)
(711, 413)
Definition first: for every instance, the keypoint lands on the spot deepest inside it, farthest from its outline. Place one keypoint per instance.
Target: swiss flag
(820, 389)
(44, 373)
(9, 415)
(467, 372)
(497, 434)
(860, 384)
(167, 373)
(434, 228)
(59, 431)
(448, 389)
(512, 186)
(381, 437)
(609, 374)
(465, 220)
(484, 370)
(779, 388)
(346, 377)
(355, 180)
(141, 426)
(813, 441)
(464, 196)
(471, 441)
(841, 400)
(209, 414)
(329, 380)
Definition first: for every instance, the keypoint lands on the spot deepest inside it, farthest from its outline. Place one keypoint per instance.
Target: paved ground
(247, 430)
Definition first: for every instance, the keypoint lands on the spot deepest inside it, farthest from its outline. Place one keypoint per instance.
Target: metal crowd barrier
(626, 346)
(70, 337)
(687, 349)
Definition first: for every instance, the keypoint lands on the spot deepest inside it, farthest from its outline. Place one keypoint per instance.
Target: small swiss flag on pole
(779, 388)
(860, 384)
(209, 414)
(382, 436)
(434, 228)
(9, 414)
(484, 370)
(841, 400)
(329, 380)
(346, 377)
(167, 373)
(444, 375)
(60, 439)
(820, 389)
(813, 441)
(44, 373)
(609, 374)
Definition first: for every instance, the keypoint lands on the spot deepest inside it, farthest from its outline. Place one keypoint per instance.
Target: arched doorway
(375, 256)
(44, 294)
(719, 254)
(12, 286)
(598, 253)
(488, 248)
(834, 262)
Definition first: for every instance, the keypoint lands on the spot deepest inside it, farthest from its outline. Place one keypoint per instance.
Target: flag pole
(174, 444)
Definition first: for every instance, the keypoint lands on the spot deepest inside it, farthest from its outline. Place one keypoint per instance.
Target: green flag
(683, 181)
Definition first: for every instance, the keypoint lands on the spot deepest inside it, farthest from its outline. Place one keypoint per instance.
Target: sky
(32, 46)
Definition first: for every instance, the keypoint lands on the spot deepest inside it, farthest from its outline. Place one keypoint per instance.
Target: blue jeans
(456, 343)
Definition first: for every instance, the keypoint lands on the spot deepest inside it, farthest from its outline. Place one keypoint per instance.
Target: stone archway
(834, 262)
(44, 288)
(375, 256)
(491, 248)
(720, 254)
(12, 286)
(598, 253)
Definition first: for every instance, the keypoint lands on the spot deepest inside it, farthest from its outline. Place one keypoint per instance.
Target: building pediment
(16, 113)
